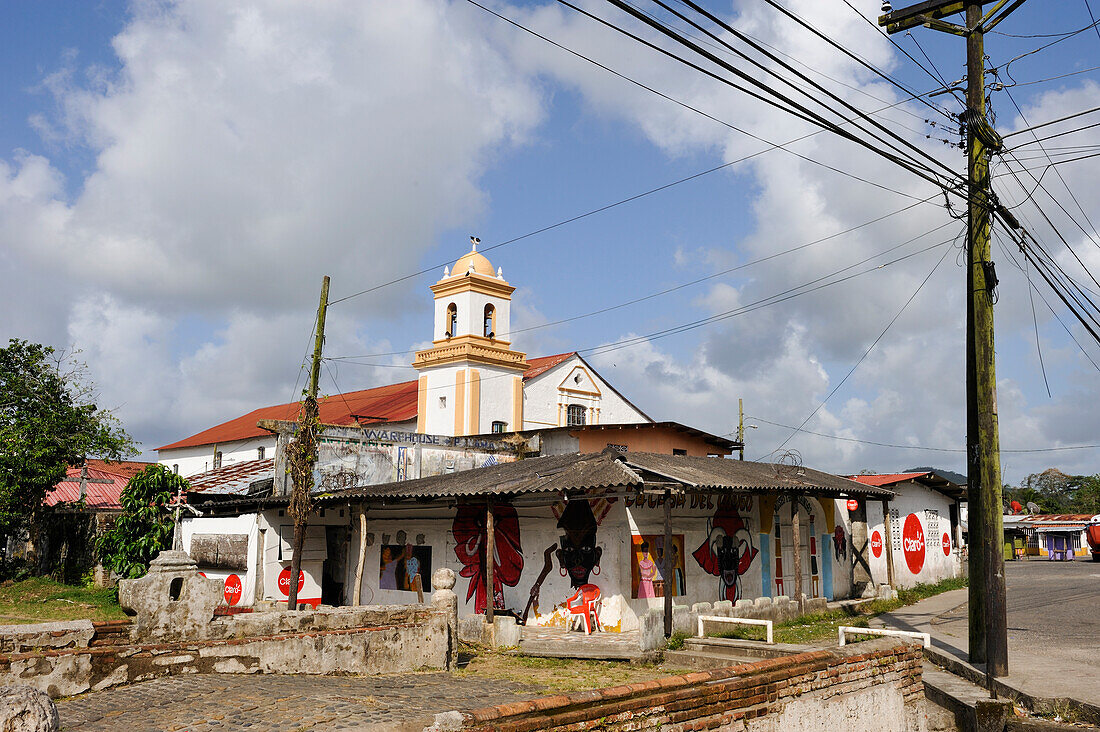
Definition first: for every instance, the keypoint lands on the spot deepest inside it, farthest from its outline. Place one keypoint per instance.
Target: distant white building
(471, 382)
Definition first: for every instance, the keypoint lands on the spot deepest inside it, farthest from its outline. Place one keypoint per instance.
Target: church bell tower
(471, 381)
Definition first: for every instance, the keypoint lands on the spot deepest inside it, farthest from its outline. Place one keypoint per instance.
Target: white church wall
(542, 398)
(200, 458)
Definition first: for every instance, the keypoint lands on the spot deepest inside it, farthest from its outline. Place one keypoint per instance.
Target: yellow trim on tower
(517, 403)
(460, 401)
(471, 349)
(473, 283)
(422, 405)
(473, 422)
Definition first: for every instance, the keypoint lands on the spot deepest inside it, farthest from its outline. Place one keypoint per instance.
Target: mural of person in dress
(727, 551)
(469, 534)
(577, 552)
(392, 556)
(647, 572)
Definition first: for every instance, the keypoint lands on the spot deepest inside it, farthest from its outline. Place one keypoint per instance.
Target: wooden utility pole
(889, 544)
(303, 454)
(988, 615)
(796, 539)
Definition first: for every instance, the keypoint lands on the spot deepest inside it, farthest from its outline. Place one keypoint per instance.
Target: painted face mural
(840, 543)
(728, 550)
(578, 554)
(469, 534)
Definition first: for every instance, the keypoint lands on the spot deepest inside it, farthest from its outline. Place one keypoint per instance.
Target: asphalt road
(1053, 626)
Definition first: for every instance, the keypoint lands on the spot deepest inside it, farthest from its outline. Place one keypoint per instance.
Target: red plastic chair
(586, 602)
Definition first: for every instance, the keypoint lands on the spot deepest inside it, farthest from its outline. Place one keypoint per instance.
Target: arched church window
(490, 322)
(452, 320)
(574, 415)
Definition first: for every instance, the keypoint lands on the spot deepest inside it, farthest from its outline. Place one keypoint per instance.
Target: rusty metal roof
(232, 479)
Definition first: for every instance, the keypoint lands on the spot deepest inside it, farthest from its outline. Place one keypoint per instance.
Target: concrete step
(709, 653)
(589, 650)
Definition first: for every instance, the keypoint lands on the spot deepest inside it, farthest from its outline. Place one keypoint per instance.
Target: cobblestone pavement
(206, 702)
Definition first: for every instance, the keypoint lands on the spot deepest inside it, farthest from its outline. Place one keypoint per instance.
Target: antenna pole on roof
(302, 455)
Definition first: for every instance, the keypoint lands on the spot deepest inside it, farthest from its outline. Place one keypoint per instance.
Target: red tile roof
(886, 479)
(393, 403)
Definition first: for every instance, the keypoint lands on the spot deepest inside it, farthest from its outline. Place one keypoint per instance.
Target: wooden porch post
(889, 541)
(796, 535)
(490, 553)
(667, 568)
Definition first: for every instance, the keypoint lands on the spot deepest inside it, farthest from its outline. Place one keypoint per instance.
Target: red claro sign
(853, 504)
(284, 581)
(232, 591)
(946, 542)
(912, 543)
(876, 544)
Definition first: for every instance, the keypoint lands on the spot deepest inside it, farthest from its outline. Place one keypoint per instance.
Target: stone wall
(869, 686)
(63, 662)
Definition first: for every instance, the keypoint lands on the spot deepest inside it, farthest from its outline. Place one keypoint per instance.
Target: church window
(442, 402)
(176, 469)
(217, 460)
(452, 320)
(489, 328)
(260, 452)
(574, 415)
(499, 427)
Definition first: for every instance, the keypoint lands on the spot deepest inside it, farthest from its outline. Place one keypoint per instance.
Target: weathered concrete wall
(870, 687)
(63, 659)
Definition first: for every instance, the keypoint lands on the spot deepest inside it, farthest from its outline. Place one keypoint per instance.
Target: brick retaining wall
(880, 680)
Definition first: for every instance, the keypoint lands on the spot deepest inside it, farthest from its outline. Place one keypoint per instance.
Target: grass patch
(40, 600)
(562, 675)
(808, 629)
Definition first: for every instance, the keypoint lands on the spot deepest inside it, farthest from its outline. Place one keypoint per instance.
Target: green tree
(48, 421)
(145, 526)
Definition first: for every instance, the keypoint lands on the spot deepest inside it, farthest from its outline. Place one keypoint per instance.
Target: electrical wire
(865, 353)
(771, 146)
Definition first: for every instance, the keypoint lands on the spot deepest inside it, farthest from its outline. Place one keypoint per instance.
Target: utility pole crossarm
(905, 18)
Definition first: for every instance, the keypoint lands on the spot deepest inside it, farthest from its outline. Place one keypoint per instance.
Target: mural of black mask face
(729, 556)
(579, 560)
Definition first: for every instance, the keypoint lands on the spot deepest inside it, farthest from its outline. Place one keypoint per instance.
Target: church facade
(470, 382)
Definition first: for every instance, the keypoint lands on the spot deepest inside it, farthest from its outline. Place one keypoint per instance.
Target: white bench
(846, 630)
(741, 621)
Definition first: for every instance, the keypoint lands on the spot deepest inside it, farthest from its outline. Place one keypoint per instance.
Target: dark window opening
(260, 451)
(574, 415)
(488, 327)
(678, 451)
(499, 427)
(217, 460)
(175, 589)
(452, 320)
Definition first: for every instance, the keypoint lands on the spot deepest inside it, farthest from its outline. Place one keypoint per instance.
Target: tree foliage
(1057, 492)
(48, 421)
(145, 526)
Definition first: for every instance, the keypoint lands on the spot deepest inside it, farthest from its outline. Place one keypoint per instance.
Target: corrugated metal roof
(233, 479)
(570, 474)
(97, 495)
(886, 478)
(393, 403)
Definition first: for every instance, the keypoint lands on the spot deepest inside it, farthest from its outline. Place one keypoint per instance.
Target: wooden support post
(490, 555)
(796, 536)
(889, 541)
(362, 559)
(667, 568)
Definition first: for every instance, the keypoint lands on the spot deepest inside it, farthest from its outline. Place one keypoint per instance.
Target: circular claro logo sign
(284, 581)
(946, 542)
(853, 504)
(912, 543)
(876, 544)
(232, 591)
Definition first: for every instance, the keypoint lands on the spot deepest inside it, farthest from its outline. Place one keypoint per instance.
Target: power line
(865, 354)
(913, 447)
(682, 285)
(1051, 122)
(771, 146)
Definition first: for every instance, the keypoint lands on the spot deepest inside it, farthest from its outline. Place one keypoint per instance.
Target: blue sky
(175, 178)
